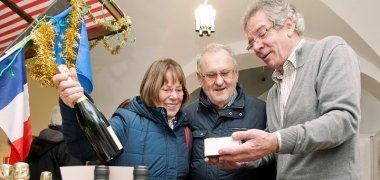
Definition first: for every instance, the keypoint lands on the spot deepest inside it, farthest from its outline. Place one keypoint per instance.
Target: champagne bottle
(101, 172)
(95, 127)
(46, 175)
(6, 172)
(140, 173)
(21, 171)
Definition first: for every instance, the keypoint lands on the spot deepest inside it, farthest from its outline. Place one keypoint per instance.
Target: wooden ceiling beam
(99, 32)
(18, 10)
(112, 8)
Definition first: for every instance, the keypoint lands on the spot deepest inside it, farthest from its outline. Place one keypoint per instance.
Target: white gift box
(212, 145)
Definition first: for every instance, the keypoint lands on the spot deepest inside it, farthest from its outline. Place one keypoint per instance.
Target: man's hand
(225, 164)
(258, 144)
(69, 90)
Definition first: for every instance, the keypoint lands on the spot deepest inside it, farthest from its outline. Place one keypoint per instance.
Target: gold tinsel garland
(123, 24)
(42, 67)
(112, 50)
(72, 35)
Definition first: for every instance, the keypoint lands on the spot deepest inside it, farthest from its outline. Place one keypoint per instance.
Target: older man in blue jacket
(221, 109)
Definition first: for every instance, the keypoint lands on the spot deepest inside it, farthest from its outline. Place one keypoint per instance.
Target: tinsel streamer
(116, 49)
(72, 34)
(94, 43)
(123, 24)
(42, 67)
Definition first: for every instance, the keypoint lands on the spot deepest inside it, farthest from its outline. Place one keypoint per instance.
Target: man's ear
(290, 26)
(199, 78)
(237, 75)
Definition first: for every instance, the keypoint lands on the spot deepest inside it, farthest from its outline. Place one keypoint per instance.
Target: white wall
(349, 11)
(370, 122)
(365, 156)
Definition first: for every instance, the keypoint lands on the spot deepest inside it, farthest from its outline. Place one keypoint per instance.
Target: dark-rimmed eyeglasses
(262, 34)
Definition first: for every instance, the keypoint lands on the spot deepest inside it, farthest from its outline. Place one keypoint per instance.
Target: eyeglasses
(262, 34)
(211, 76)
(169, 91)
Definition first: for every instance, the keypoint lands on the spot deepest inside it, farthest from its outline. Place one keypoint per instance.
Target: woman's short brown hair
(155, 78)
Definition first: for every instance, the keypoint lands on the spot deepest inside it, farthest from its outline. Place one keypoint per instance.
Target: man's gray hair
(278, 11)
(213, 48)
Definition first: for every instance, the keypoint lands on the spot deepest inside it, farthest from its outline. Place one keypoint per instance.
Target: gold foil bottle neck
(21, 171)
(6, 172)
(46, 175)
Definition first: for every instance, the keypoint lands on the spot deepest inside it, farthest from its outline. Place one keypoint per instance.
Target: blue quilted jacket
(206, 122)
(146, 137)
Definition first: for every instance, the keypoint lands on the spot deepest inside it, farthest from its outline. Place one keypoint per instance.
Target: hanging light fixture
(205, 19)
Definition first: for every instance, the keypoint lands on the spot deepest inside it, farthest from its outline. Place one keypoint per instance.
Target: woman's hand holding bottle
(69, 87)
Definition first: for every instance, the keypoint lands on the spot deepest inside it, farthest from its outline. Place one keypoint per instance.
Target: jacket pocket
(198, 145)
(199, 134)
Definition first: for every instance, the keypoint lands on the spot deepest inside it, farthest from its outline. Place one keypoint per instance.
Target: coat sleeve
(268, 159)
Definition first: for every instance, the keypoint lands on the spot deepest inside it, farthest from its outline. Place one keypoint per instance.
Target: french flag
(14, 105)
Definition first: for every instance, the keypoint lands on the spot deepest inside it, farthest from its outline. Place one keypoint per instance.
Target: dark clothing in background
(207, 122)
(48, 152)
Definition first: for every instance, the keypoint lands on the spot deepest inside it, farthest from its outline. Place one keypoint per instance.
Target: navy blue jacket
(146, 137)
(205, 121)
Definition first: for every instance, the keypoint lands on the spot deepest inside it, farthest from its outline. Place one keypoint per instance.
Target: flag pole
(15, 47)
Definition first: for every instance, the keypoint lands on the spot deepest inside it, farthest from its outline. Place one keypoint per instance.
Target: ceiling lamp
(204, 19)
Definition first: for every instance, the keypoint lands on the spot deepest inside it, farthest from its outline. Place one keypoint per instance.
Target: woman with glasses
(151, 127)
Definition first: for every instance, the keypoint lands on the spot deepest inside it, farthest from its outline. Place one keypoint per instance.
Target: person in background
(221, 109)
(152, 128)
(49, 151)
(313, 108)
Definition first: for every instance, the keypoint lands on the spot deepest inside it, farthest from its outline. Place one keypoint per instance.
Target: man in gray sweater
(313, 108)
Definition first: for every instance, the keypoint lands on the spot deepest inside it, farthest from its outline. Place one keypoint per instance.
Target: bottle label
(114, 137)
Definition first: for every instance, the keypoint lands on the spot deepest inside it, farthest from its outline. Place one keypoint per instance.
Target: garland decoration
(42, 67)
(72, 32)
(124, 24)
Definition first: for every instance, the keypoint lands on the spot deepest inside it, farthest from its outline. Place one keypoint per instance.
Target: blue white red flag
(14, 105)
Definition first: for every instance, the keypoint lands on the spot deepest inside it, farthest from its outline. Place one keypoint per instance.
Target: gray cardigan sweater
(321, 119)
